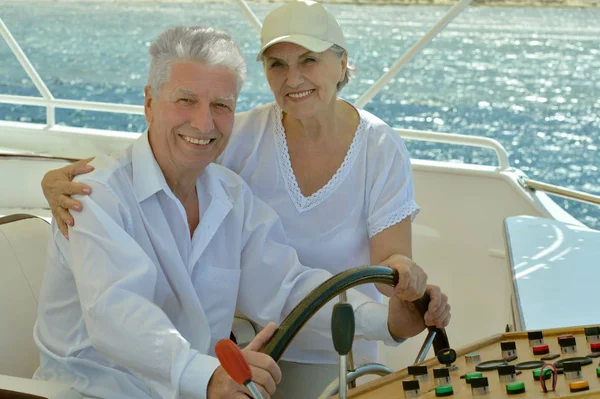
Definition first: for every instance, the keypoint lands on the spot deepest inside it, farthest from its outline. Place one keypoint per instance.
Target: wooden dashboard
(570, 383)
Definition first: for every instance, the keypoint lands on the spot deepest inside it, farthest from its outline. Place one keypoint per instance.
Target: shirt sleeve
(273, 281)
(116, 281)
(391, 194)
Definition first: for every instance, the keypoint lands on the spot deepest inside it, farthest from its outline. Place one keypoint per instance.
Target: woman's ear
(344, 62)
(148, 104)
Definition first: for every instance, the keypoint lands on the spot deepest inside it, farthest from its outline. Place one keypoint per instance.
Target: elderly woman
(339, 178)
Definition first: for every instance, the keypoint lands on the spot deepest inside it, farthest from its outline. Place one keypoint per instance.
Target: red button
(542, 349)
(564, 336)
(595, 347)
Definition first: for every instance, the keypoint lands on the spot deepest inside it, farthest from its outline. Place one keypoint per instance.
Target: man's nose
(202, 118)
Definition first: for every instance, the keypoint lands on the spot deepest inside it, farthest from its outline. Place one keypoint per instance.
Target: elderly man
(169, 244)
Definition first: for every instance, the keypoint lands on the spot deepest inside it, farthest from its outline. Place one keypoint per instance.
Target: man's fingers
(265, 371)
(264, 362)
(264, 379)
(262, 338)
(261, 389)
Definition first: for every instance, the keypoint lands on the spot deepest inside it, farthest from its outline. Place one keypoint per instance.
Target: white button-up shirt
(131, 306)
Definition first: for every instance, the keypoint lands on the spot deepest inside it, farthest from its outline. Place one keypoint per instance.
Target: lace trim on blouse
(301, 202)
(409, 209)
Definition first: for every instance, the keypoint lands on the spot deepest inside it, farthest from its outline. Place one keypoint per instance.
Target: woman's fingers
(79, 168)
(61, 217)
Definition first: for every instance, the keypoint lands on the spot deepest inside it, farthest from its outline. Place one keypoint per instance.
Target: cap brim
(308, 42)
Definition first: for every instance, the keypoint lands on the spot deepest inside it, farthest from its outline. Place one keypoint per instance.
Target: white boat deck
(554, 267)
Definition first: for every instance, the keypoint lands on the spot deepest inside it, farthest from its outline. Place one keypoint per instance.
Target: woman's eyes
(223, 106)
(278, 64)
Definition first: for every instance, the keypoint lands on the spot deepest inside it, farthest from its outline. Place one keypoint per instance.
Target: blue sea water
(528, 77)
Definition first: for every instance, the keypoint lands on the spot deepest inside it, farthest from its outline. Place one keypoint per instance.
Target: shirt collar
(148, 178)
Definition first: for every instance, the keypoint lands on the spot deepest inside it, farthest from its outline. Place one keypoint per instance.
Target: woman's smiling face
(304, 82)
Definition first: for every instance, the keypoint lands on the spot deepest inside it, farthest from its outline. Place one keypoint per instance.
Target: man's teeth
(196, 141)
(300, 94)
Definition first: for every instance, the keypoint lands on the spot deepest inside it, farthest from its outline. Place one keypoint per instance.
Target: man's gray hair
(350, 69)
(193, 43)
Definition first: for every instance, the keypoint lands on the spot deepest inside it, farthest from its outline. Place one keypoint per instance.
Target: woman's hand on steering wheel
(405, 320)
(412, 279)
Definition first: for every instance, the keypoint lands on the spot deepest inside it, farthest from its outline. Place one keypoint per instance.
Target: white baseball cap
(303, 22)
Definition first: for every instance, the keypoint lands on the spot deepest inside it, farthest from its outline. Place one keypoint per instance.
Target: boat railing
(48, 101)
(461, 139)
(250, 15)
(559, 191)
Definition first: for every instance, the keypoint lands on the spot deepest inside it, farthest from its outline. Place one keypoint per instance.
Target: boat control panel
(558, 363)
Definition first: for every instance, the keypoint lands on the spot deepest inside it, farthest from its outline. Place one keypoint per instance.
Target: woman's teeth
(300, 94)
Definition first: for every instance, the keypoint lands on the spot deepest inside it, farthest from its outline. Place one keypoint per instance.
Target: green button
(473, 374)
(444, 390)
(598, 371)
(547, 374)
(515, 386)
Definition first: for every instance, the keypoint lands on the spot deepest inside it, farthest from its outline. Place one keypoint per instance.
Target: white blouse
(371, 191)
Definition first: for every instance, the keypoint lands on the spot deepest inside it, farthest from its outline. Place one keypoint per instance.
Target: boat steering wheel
(332, 288)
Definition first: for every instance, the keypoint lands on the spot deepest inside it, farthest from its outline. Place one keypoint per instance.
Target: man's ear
(148, 104)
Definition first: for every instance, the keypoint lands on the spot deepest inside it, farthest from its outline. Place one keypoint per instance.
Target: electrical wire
(554, 377)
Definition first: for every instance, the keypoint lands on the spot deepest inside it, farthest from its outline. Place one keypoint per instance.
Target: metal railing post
(29, 69)
(560, 191)
(250, 16)
(414, 50)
